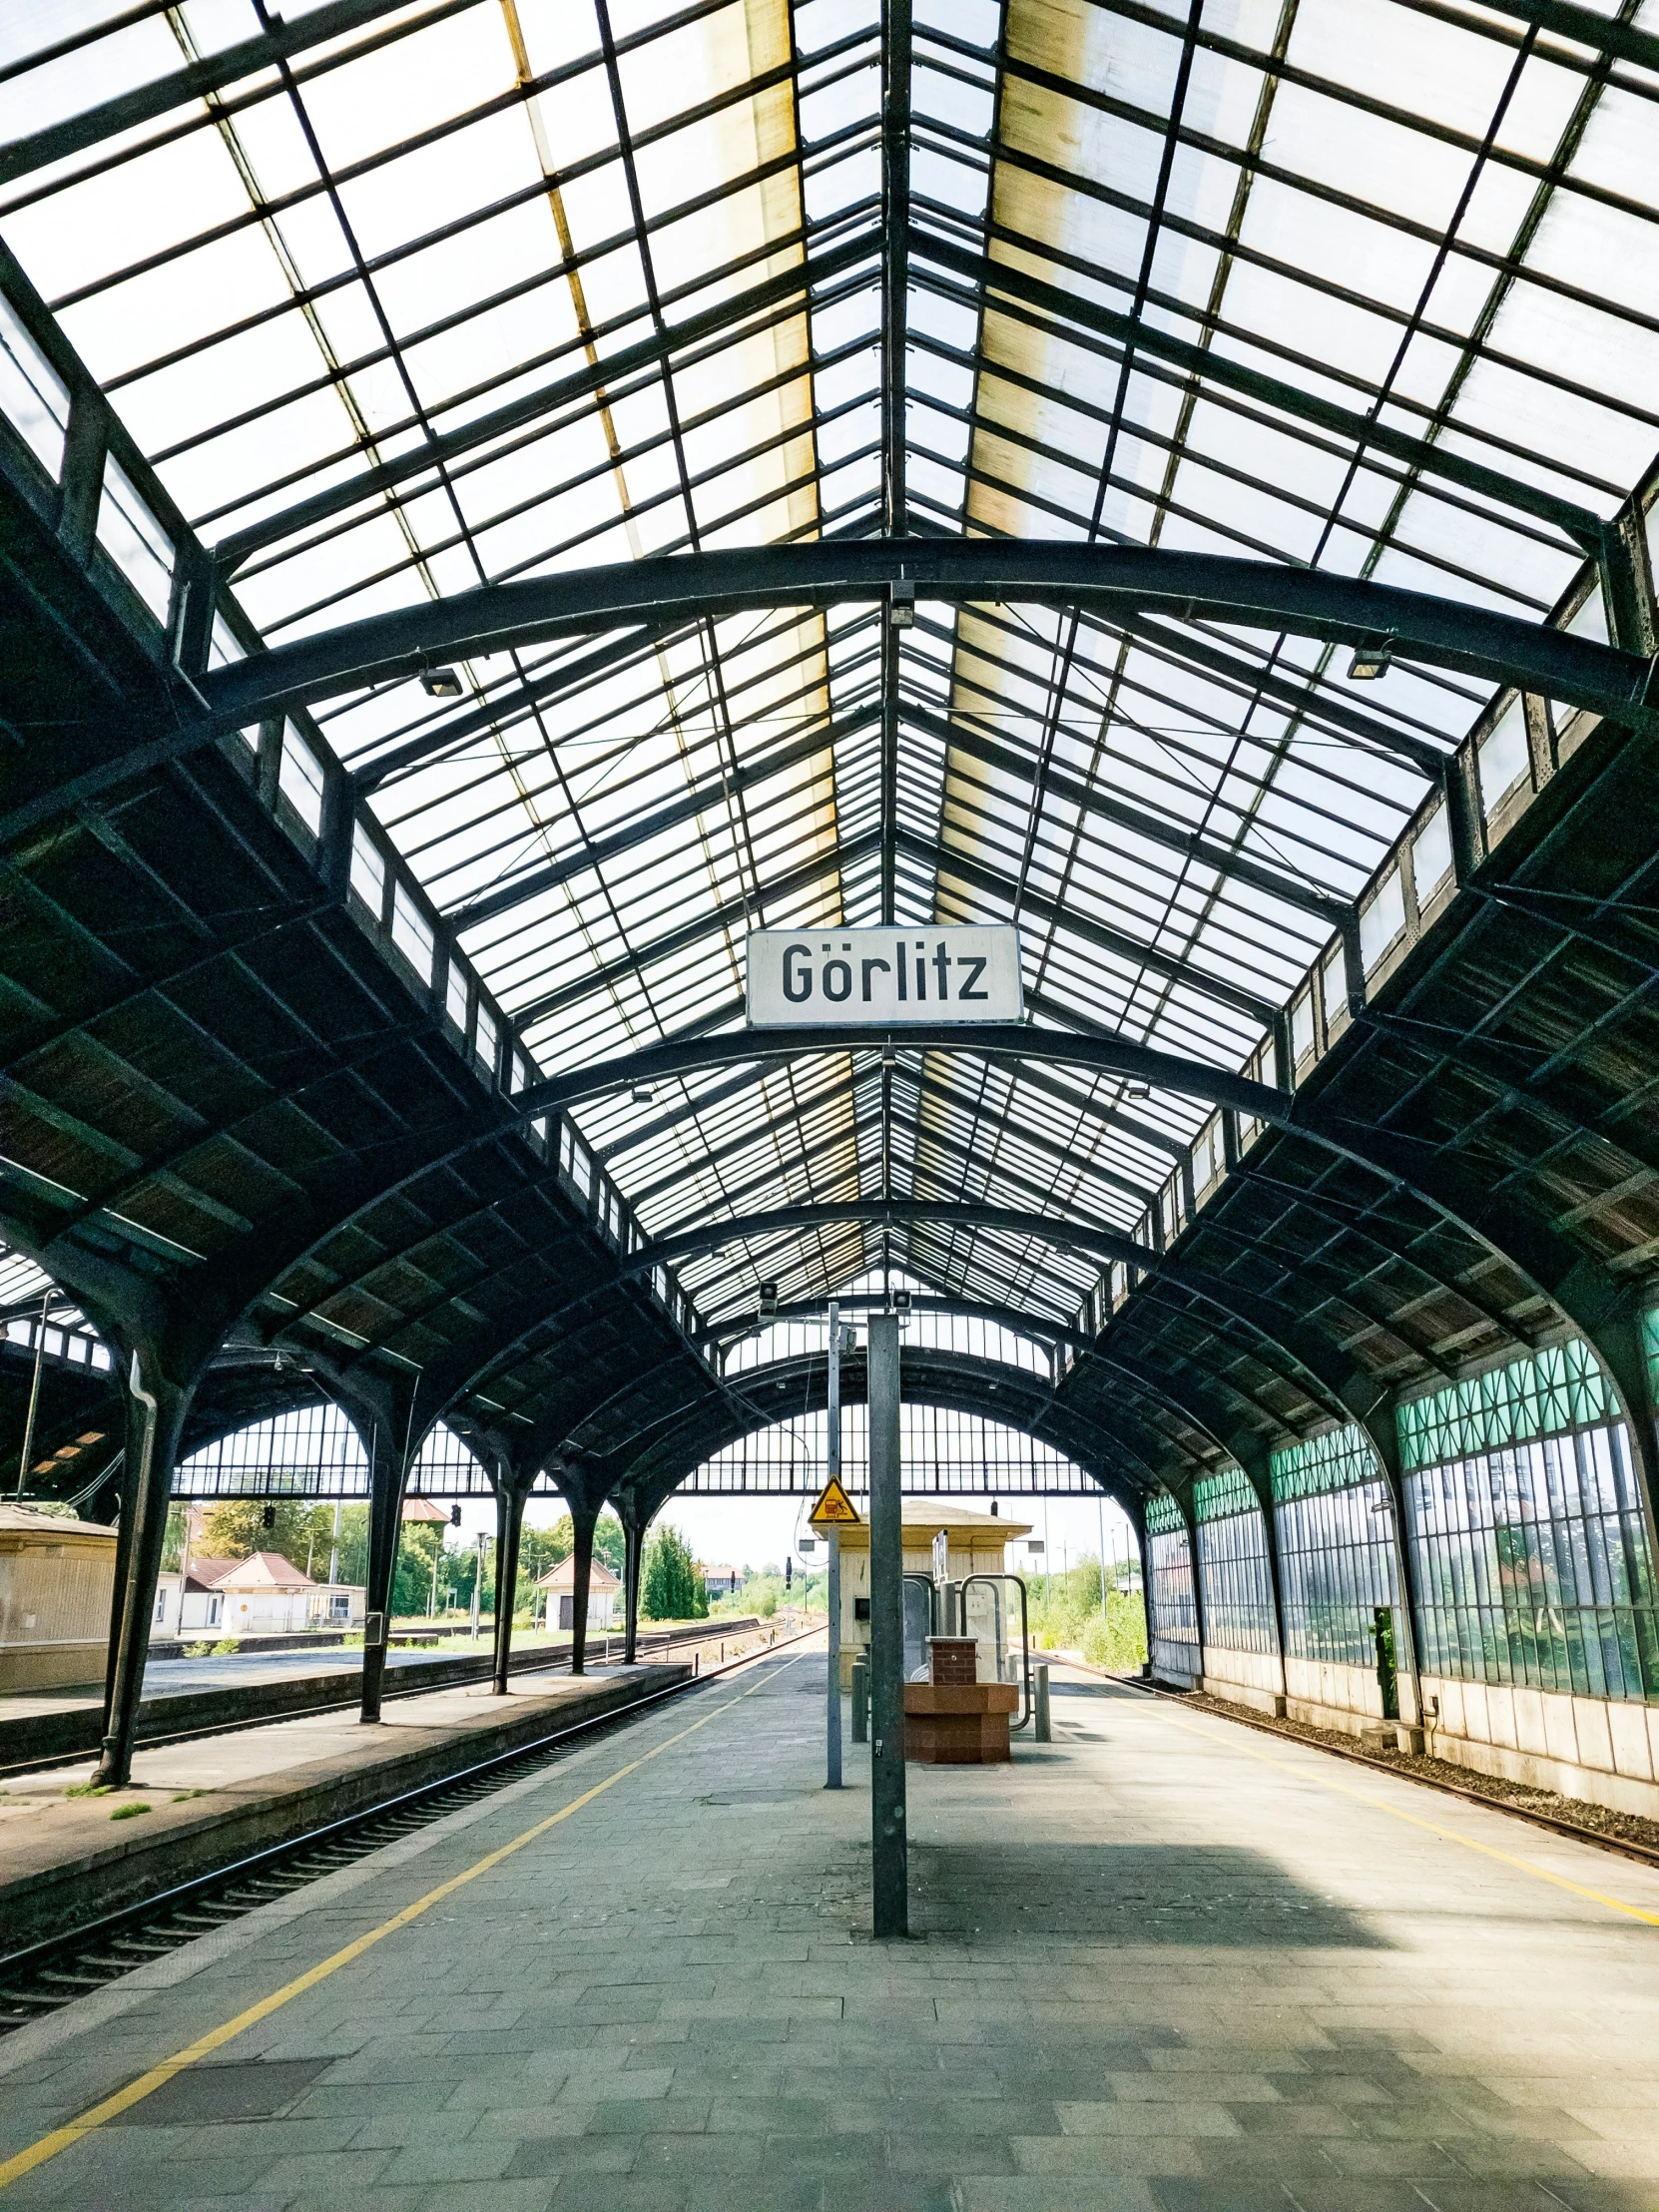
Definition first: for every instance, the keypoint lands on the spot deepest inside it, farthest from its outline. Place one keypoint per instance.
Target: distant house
(721, 1581)
(190, 1601)
(264, 1595)
(559, 1587)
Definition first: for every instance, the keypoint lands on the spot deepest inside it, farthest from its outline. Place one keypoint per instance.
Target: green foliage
(539, 1551)
(173, 1543)
(88, 1789)
(420, 1557)
(302, 1533)
(672, 1588)
(1066, 1614)
(225, 1648)
(128, 1812)
(763, 1592)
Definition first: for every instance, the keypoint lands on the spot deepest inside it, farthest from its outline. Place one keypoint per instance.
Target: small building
(974, 1543)
(722, 1581)
(268, 1595)
(188, 1604)
(57, 1581)
(558, 1587)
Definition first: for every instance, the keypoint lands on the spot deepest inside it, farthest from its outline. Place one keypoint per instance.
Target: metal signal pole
(833, 1709)
(889, 1856)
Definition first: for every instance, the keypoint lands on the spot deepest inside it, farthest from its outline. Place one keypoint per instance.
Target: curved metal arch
(1313, 1355)
(1014, 1319)
(926, 1378)
(1308, 1358)
(1444, 633)
(1555, 1268)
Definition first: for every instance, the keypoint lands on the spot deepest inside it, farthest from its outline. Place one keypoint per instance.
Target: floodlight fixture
(901, 604)
(644, 1093)
(769, 1301)
(440, 683)
(902, 1303)
(1372, 658)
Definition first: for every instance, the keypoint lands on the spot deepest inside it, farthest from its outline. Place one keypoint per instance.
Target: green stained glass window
(1163, 1515)
(1334, 1461)
(1217, 1495)
(1543, 1394)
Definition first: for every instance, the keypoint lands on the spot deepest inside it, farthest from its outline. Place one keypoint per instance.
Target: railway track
(44, 1977)
(660, 1644)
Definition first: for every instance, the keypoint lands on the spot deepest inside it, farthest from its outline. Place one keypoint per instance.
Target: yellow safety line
(135, 2092)
(1451, 1834)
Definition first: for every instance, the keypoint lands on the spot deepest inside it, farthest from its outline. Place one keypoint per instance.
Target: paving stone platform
(208, 1803)
(1162, 1965)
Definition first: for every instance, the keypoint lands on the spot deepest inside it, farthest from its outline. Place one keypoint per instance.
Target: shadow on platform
(1125, 1895)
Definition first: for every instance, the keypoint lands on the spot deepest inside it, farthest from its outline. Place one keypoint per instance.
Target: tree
(236, 1529)
(673, 1588)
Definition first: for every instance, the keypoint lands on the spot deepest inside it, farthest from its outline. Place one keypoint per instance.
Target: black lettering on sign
(867, 968)
(975, 968)
(798, 982)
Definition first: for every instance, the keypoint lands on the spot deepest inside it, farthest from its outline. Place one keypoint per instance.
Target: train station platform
(1162, 1965)
(226, 1690)
(192, 1807)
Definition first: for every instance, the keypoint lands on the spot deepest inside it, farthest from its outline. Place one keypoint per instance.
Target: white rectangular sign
(882, 975)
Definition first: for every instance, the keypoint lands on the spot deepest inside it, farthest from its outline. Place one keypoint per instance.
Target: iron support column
(633, 1555)
(386, 1474)
(584, 1516)
(156, 1409)
(833, 1639)
(890, 1870)
(509, 1526)
(1189, 1513)
(1382, 1432)
(1260, 1478)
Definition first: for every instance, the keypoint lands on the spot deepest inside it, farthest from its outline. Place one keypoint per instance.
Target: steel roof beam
(162, 95)
(1117, 581)
(708, 793)
(593, 377)
(732, 914)
(1104, 1055)
(961, 737)
(956, 861)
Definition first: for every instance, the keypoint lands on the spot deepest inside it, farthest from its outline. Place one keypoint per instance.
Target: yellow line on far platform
(1433, 1828)
(97, 2115)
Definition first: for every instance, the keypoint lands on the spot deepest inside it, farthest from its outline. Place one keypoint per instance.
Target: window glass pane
(1382, 921)
(412, 933)
(1503, 756)
(1432, 855)
(369, 871)
(485, 1040)
(33, 397)
(134, 539)
(454, 994)
(301, 779)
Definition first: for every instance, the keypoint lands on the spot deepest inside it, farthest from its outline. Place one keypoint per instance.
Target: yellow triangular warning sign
(833, 1506)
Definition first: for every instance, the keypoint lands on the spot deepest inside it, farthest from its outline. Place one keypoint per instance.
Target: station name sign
(882, 975)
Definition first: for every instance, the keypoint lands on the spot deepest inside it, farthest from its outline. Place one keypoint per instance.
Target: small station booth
(960, 1692)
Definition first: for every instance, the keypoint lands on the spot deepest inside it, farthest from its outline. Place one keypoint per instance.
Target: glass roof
(400, 300)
